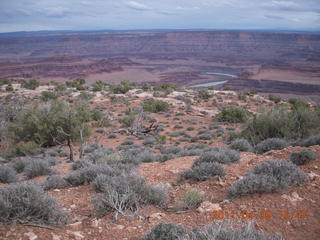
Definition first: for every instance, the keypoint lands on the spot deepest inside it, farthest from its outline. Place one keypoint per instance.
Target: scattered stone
(208, 207)
(31, 235)
(293, 198)
(156, 216)
(119, 227)
(55, 237)
(78, 235)
(313, 176)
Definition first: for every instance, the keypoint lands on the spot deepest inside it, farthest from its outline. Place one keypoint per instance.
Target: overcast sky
(34, 15)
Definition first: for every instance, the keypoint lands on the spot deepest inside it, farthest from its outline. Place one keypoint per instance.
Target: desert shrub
(19, 164)
(98, 86)
(128, 141)
(227, 231)
(36, 167)
(23, 149)
(149, 141)
(166, 231)
(77, 83)
(47, 96)
(128, 120)
(7, 174)
(274, 98)
(193, 198)
(270, 144)
(80, 163)
(310, 141)
(147, 156)
(170, 150)
(27, 203)
(112, 135)
(270, 176)
(155, 106)
(232, 114)
(9, 88)
(125, 192)
(88, 174)
(281, 123)
(219, 155)
(190, 129)
(53, 182)
(31, 84)
(122, 88)
(204, 171)
(302, 157)
(48, 124)
(241, 145)
(165, 87)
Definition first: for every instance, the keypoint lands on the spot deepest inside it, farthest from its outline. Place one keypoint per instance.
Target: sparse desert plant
(227, 231)
(149, 141)
(232, 114)
(112, 135)
(36, 167)
(31, 84)
(147, 156)
(274, 98)
(193, 198)
(23, 149)
(77, 83)
(98, 86)
(48, 95)
(121, 88)
(219, 155)
(7, 174)
(19, 164)
(270, 144)
(241, 145)
(204, 171)
(155, 106)
(125, 192)
(310, 141)
(80, 163)
(53, 182)
(268, 177)
(166, 231)
(302, 157)
(166, 87)
(27, 203)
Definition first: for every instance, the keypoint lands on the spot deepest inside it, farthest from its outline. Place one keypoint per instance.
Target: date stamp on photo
(259, 214)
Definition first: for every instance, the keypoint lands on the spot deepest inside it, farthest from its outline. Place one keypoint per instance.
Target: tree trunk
(70, 149)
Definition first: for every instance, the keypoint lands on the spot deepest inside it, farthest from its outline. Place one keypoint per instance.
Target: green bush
(122, 88)
(98, 86)
(270, 144)
(49, 124)
(302, 157)
(47, 96)
(155, 106)
(268, 177)
(274, 98)
(310, 141)
(31, 84)
(9, 88)
(165, 87)
(36, 167)
(77, 83)
(27, 203)
(193, 198)
(23, 149)
(232, 114)
(204, 94)
(281, 123)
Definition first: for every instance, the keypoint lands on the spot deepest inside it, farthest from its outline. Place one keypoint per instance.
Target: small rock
(56, 190)
(313, 176)
(55, 237)
(31, 235)
(119, 227)
(157, 215)
(75, 224)
(78, 235)
(73, 206)
(95, 223)
(208, 207)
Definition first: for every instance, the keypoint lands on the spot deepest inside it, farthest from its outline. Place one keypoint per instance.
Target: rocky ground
(302, 202)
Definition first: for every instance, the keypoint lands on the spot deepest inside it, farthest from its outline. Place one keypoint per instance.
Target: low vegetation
(232, 114)
(269, 177)
(303, 157)
(270, 144)
(27, 203)
(155, 106)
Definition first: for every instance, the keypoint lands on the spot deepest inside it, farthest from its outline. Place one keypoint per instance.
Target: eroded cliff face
(79, 54)
(226, 46)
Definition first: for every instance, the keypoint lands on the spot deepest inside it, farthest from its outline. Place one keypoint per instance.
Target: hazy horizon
(100, 15)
